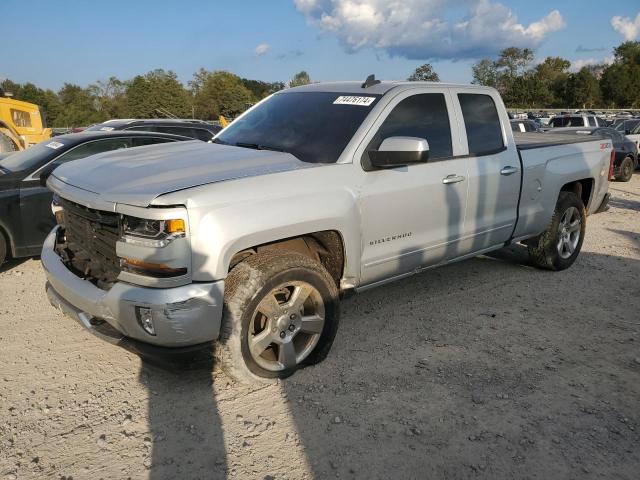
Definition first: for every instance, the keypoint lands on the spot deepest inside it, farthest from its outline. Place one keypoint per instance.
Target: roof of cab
(376, 89)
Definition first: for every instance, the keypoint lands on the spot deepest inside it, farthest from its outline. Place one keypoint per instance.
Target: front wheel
(281, 313)
(558, 246)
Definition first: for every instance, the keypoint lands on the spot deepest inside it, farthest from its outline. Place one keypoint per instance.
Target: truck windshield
(315, 127)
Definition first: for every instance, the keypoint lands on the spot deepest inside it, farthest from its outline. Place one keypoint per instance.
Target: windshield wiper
(220, 142)
(257, 146)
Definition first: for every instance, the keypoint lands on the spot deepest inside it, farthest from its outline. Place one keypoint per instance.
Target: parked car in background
(631, 129)
(524, 126)
(575, 121)
(198, 129)
(319, 189)
(25, 204)
(626, 156)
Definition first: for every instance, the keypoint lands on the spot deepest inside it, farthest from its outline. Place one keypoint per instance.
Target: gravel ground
(483, 369)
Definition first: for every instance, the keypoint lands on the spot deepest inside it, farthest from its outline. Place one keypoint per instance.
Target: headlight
(151, 233)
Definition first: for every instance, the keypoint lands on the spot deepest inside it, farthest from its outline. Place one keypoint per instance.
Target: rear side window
(183, 131)
(142, 141)
(481, 121)
(423, 116)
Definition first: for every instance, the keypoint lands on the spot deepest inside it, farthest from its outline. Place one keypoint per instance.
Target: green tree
(157, 93)
(110, 97)
(261, 89)
(620, 82)
(300, 78)
(553, 74)
(485, 73)
(222, 93)
(424, 73)
(77, 107)
(583, 89)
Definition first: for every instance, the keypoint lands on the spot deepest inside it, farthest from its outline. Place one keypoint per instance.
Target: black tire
(544, 250)
(3, 248)
(6, 144)
(626, 170)
(246, 286)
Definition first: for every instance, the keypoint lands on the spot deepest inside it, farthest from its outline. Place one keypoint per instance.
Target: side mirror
(627, 132)
(46, 173)
(398, 151)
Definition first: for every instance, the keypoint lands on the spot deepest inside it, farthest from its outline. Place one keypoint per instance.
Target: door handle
(453, 178)
(508, 170)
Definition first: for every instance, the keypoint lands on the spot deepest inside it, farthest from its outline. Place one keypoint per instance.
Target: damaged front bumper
(182, 316)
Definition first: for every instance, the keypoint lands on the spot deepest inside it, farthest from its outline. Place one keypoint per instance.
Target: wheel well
(325, 247)
(582, 188)
(7, 241)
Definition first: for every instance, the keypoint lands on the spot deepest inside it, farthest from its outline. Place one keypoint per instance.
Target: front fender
(223, 232)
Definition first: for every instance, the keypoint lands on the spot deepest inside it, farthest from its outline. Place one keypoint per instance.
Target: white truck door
(412, 216)
(493, 170)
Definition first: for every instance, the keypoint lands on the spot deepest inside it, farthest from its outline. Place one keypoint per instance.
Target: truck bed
(531, 140)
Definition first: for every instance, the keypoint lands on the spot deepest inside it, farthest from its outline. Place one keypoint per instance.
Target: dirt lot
(483, 369)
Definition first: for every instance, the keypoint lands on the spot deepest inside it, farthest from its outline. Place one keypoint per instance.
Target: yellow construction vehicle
(21, 124)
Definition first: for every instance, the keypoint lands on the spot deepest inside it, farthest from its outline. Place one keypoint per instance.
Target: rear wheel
(626, 170)
(281, 313)
(558, 247)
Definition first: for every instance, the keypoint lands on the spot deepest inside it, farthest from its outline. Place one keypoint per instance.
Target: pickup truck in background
(314, 192)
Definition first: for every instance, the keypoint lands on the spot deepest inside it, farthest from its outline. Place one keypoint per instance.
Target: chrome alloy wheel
(286, 326)
(569, 232)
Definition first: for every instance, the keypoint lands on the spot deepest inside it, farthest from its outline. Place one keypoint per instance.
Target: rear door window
(592, 121)
(424, 116)
(482, 123)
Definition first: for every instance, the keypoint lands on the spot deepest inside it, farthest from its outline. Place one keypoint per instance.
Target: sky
(50, 42)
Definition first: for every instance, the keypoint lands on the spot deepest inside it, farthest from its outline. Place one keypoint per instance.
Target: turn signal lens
(174, 226)
(158, 270)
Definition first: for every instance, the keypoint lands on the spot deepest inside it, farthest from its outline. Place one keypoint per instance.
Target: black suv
(198, 129)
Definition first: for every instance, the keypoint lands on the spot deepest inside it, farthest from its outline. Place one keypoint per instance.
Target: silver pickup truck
(250, 241)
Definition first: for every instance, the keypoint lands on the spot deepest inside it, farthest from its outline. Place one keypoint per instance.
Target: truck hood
(137, 176)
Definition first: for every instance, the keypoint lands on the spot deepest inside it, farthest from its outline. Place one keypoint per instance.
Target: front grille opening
(87, 243)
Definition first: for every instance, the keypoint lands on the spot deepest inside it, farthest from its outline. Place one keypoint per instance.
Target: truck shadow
(474, 383)
(440, 375)
(186, 434)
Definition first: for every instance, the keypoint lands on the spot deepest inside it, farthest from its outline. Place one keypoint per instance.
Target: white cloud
(262, 49)
(423, 29)
(629, 29)
(576, 65)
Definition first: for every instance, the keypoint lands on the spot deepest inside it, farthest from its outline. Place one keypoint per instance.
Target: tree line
(552, 84)
(158, 93)
(209, 94)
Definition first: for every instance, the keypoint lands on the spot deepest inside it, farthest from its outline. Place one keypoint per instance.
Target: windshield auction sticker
(54, 145)
(353, 100)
